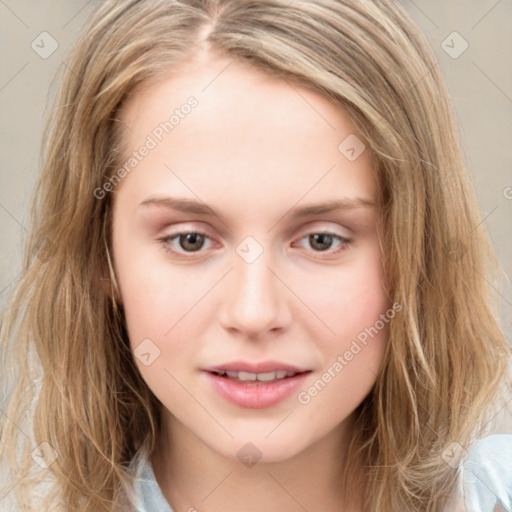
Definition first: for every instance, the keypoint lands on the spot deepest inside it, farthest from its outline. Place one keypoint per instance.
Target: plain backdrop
(473, 42)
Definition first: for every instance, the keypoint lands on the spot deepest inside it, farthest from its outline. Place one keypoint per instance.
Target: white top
(484, 484)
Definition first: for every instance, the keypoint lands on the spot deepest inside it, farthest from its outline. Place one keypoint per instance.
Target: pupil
(190, 240)
(321, 240)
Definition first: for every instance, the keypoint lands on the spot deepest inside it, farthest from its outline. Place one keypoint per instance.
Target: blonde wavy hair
(72, 385)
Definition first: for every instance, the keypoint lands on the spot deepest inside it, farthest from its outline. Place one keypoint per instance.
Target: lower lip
(256, 396)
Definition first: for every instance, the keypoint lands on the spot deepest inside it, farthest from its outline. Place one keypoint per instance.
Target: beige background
(479, 80)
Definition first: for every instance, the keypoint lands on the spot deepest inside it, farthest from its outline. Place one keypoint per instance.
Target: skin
(253, 149)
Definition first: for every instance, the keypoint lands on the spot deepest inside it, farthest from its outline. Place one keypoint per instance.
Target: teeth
(265, 376)
(246, 375)
(262, 377)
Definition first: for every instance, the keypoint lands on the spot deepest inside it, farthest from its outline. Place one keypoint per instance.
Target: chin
(258, 448)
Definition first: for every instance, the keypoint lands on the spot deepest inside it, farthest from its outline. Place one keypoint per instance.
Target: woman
(255, 278)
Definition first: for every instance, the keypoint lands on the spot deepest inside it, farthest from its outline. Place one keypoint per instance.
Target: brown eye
(187, 242)
(320, 241)
(191, 241)
(323, 242)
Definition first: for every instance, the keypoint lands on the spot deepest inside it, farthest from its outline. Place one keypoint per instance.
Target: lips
(256, 385)
(249, 372)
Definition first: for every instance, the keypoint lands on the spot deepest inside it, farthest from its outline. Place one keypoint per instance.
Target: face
(224, 265)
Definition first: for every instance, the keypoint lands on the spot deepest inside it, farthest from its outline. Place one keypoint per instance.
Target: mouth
(256, 385)
(257, 378)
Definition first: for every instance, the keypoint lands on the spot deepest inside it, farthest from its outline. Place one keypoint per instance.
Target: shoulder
(486, 474)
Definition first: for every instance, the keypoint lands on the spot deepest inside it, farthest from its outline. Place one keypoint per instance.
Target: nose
(256, 300)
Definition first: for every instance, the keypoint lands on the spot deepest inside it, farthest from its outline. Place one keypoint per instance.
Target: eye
(188, 242)
(323, 241)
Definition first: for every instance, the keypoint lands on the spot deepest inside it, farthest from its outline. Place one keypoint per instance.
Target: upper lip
(256, 367)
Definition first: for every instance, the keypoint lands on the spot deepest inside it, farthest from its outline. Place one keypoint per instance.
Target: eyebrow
(192, 206)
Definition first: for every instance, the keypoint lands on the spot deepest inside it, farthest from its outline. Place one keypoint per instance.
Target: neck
(192, 476)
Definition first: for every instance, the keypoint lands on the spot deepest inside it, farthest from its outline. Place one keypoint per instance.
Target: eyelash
(165, 241)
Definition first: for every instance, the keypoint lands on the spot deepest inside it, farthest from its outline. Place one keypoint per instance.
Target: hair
(73, 387)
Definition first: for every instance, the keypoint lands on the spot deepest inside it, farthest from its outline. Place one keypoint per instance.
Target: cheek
(347, 299)
(353, 355)
(155, 294)
(355, 307)
(164, 314)
(157, 305)
(147, 299)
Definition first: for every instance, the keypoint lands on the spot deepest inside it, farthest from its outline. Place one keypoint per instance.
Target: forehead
(240, 93)
(249, 132)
